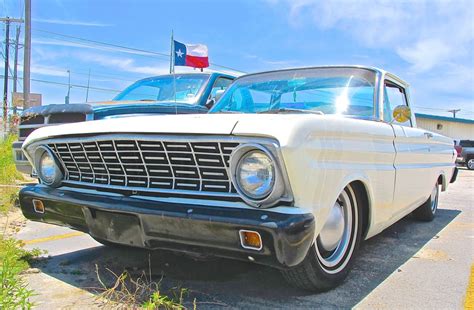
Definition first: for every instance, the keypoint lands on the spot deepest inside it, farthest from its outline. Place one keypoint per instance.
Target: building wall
(455, 130)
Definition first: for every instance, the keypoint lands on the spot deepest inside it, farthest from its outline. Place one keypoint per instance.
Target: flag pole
(172, 54)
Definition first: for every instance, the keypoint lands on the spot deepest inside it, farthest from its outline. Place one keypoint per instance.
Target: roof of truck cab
(375, 69)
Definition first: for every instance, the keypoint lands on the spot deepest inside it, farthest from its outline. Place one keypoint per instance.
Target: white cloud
(123, 64)
(70, 22)
(426, 34)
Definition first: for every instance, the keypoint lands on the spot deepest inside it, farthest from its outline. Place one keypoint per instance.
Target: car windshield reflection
(344, 91)
(182, 88)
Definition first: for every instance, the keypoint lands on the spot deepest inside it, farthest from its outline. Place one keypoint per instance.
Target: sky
(429, 44)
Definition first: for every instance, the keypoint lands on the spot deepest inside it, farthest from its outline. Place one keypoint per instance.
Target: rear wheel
(329, 260)
(427, 211)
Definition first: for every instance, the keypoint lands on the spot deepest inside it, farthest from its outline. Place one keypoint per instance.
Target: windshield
(347, 91)
(183, 88)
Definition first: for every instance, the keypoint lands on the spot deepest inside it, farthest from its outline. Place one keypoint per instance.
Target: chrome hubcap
(434, 198)
(333, 245)
(470, 163)
(333, 230)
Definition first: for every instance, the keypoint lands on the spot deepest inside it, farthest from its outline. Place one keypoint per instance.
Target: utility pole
(88, 83)
(5, 80)
(454, 111)
(15, 61)
(7, 21)
(27, 55)
(66, 99)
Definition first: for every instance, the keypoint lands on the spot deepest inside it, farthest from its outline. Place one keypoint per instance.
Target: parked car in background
(185, 93)
(465, 150)
(291, 169)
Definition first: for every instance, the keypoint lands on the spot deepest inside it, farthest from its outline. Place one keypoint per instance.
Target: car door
(412, 160)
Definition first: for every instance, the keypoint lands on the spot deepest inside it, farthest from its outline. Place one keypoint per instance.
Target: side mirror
(210, 103)
(401, 113)
(218, 94)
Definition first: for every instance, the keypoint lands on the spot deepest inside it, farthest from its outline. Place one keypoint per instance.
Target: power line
(72, 85)
(127, 48)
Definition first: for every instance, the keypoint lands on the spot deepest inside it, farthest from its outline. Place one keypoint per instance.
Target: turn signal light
(250, 240)
(38, 206)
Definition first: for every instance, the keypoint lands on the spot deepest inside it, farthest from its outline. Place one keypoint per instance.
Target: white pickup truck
(291, 168)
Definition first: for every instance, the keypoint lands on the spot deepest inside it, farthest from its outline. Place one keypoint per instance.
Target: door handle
(429, 135)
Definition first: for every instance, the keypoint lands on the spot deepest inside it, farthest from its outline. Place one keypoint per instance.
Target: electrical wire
(127, 48)
(71, 85)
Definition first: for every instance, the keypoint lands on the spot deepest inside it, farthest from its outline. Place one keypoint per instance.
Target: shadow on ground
(243, 285)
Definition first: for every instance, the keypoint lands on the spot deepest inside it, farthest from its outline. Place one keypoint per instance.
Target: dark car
(185, 93)
(466, 153)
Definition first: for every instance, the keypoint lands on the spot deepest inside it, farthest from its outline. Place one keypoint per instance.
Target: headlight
(255, 174)
(47, 167)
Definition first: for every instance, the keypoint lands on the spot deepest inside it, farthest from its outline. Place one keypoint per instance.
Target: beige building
(456, 128)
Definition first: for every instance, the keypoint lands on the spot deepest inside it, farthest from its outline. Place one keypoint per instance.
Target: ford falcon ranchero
(291, 169)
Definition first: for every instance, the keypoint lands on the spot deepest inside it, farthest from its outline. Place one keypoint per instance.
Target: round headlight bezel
(58, 174)
(278, 187)
(238, 175)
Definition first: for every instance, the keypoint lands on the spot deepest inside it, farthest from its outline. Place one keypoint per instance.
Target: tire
(322, 270)
(470, 163)
(427, 211)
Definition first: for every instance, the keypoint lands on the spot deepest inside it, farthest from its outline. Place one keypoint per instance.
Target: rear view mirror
(218, 94)
(401, 113)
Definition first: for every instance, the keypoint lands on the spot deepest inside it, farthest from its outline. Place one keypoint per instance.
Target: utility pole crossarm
(11, 20)
(454, 111)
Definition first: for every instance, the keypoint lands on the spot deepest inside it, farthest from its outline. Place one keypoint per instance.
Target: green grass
(14, 292)
(8, 172)
(14, 259)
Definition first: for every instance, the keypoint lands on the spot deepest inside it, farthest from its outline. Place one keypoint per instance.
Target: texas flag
(191, 55)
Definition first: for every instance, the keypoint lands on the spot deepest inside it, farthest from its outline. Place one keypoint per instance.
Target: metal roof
(445, 118)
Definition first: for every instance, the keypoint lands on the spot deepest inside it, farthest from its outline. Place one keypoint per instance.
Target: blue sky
(430, 44)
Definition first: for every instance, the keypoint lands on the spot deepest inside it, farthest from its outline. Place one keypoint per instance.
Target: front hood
(58, 108)
(87, 108)
(263, 125)
(104, 105)
(210, 124)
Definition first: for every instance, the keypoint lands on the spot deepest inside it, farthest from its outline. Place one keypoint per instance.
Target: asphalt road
(410, 265)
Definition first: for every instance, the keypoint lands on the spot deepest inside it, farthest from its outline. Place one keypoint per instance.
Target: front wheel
(470, 164)
(329, 259)
(427, 211)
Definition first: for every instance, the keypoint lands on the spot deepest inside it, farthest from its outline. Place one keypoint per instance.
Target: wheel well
(362, 195)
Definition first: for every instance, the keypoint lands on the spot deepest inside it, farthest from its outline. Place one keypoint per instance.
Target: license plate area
(114, 227)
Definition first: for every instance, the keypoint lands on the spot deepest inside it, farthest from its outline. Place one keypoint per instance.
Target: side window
(393, 96)
(220, 84)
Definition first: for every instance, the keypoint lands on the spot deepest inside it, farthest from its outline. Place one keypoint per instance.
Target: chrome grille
(156, 165)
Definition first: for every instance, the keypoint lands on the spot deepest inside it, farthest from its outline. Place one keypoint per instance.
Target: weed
(14, 293)
(8, 172)
(141, 292)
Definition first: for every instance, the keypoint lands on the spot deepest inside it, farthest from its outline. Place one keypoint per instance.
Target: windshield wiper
(227, 112)
(289, 110)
